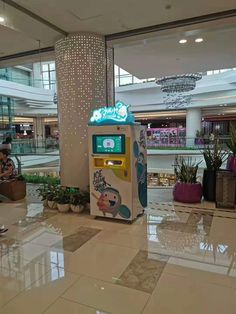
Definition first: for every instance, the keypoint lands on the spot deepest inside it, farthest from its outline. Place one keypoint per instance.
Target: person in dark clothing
(8, 140)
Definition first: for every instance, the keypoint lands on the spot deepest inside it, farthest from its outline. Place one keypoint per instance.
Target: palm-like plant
(231, 143)
(186, 171)
(214, 157)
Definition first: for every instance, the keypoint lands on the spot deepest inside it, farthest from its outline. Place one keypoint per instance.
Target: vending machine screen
(109, 144)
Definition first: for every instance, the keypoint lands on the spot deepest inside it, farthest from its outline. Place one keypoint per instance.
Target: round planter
(231, 163)
(209, 185)
(63, 208)
(77, 208)
(52, 204)
(187, 192)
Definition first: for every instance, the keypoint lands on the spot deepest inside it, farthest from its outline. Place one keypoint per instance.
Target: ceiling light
(198, 40)
(2, 19)
(182, 41)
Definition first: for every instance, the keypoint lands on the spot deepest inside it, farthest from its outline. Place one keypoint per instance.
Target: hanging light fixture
(176, 88)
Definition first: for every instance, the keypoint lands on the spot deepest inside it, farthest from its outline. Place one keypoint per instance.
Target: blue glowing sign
(119, 114)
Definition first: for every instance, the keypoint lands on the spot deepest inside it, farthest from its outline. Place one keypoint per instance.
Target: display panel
(109, 144)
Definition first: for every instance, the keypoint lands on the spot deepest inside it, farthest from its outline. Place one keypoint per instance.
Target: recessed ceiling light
(2, 19)
(182, 41)
(198, 40)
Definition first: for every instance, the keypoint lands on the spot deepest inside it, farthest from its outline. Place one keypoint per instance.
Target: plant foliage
(186, 170)
(214, 156)
(231, 143)
(37, 179)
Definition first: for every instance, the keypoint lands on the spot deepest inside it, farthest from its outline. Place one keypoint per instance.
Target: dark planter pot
(209, 185)
(231, 163)
(187, 192)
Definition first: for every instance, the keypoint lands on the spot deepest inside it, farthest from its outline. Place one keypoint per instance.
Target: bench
(14, 190)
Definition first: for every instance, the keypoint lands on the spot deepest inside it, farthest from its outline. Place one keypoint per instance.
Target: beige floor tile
(227, 213)
(16, 277)
(108, 297)
(41, 294)
(204, 272)
(223, 230)
(99, 260)
(74, 221)
(62, 306)
(96, 259)
(122, 239)
(47, 238)
(180, 294)
(65, 226)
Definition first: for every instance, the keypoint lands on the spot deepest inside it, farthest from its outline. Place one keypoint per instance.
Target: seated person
(7, 143)
(7, 166)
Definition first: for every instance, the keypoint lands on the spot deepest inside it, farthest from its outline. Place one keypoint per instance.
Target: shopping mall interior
(117, 157)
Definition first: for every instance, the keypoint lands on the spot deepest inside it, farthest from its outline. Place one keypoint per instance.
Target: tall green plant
(231, 143)
(186, 170)
(214, 156)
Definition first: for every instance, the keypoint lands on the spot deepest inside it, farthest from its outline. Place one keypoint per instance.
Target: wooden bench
(14, 190)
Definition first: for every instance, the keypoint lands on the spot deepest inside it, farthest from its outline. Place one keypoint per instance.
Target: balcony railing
(30, 81)
(34, 146)
(185, 143)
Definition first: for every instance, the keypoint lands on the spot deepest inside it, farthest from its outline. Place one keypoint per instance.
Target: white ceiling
(162, 54)
(21, 32)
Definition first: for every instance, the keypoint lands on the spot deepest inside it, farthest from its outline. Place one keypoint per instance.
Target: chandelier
(175, 87)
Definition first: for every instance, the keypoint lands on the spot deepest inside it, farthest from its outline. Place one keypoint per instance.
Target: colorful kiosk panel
(118, 163)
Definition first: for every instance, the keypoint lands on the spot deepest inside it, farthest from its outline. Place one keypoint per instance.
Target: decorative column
(193, 124)
(81, 67)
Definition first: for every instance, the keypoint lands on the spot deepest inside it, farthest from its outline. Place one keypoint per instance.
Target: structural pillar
(37, 75)
(82, 79)
(39, 131)
(193, 124)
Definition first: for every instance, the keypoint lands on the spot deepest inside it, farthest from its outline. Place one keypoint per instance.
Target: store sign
(112, 115)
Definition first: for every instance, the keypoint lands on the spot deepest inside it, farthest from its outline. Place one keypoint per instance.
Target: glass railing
(34, 146)
(185, 143)
(129, 79)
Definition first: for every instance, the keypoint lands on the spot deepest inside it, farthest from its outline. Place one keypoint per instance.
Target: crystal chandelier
(175, 87)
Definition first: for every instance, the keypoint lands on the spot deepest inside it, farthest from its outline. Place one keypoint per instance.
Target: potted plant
(63, 200)
(214, 158)
(86, 199)
(52, 196)
(187, 189)
(76, 201)
(43, 193)
(231, 143)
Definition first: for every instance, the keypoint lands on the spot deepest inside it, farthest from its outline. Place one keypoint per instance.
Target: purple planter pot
(231, 163)
(187, 192)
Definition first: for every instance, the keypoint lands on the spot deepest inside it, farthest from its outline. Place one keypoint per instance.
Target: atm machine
(117, 163)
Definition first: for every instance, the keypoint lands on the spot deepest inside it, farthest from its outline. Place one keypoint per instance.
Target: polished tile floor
(174, 259)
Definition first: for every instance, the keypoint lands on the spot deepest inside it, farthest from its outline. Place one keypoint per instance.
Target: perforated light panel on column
(81, 77)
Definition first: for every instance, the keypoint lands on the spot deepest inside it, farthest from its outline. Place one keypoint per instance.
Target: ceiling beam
(27, 53)
(35, 16)
(171, 25)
